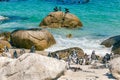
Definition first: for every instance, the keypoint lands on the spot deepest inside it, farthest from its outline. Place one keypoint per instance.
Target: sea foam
(87, 44)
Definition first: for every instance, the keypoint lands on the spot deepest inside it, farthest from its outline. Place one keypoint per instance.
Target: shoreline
(86, 72)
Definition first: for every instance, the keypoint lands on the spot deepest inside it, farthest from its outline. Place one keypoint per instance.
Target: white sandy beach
(87, 74)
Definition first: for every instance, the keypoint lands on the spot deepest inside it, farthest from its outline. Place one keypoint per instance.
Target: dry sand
(87, 74)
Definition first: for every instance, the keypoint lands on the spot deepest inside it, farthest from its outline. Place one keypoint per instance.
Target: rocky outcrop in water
(63, 54)
(113, 42)
(60, 19)
(41, 39)
(115, 68)
(32, 67)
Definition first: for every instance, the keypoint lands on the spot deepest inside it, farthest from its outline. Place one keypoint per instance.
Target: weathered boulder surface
(4, 61)
(5, 36)
(115, 68)
(60, 19)
(41, 39)
(33, 67)
(63, 54)
(113, 42)
(4, 43)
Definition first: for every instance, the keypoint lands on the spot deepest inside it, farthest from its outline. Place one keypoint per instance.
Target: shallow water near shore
(101, 20)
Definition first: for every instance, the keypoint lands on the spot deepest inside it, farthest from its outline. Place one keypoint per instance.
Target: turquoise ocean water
(101, 19)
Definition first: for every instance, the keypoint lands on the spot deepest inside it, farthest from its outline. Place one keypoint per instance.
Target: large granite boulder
(63, 54)
(113, 42)
(115, 68)
(4, 43)
(60, 19)
(33, 67)
(41, 39)
(116, 48)
(4, 61)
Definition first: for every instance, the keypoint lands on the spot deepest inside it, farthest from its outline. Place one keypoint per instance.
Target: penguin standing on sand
(6, 49)
(49, 54)
(22, 51)
(32, 50)
(15, 54)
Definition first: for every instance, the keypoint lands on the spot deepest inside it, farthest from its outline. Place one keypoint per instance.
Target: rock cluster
(31, 67)
(60, 19)
(63, 54)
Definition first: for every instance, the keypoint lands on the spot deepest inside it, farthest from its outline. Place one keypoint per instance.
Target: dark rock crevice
(113, 42)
